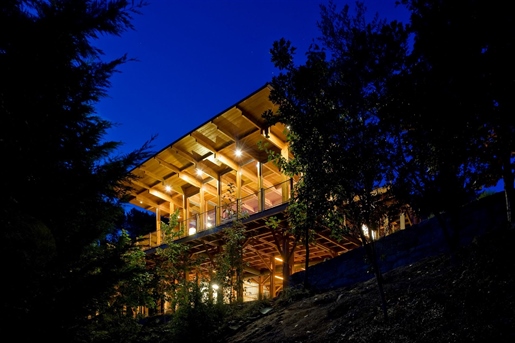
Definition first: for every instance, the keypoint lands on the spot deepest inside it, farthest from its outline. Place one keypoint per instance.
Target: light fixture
(238, 152)
(215, 286)
(168, 188)
(192, 231)
(279, 259)
(199, 172)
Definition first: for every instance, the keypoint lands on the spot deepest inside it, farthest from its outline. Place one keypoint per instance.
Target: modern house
(218, 169)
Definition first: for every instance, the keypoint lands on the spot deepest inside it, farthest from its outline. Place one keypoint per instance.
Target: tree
(457, 69)
(460, 65)
(138, 223)
(229, 262)
(60, 198)
(330, 105)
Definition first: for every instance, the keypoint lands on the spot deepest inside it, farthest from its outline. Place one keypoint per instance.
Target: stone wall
(407, 246)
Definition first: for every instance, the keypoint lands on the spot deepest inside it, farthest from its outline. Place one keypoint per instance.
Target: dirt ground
(466, 297)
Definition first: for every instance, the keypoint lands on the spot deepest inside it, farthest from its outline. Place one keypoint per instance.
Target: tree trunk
(306, 263)
(508, 180)
(372, 256)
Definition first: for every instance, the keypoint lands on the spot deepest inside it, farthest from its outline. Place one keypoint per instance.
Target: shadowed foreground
(466, 298)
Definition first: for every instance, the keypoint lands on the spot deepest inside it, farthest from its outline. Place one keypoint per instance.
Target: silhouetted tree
(138, 223)
(448, 106)
(61, 183)
(330, 107)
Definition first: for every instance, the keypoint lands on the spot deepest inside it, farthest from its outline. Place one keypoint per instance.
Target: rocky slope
(466, 297)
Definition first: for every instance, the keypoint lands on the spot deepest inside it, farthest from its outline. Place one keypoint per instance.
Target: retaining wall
(407, 246)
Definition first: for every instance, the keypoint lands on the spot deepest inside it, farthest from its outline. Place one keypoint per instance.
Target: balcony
(215, 219)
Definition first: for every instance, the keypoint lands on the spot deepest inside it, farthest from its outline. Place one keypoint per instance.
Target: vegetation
(61, 182)
(368, 116)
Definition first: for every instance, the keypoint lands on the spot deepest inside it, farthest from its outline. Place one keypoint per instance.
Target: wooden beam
(153, 204)
(204, 141)
(332, 241)
(165, 197)
(251, 119)
(168, 165)
(152, 175)
(231, 134)
(234, 166)
(259, 255)
(274, 140)
(189, 157)
(207, 170)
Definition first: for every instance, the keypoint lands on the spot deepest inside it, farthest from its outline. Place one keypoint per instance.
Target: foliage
(172, 266)
(58, 211)
(444, 164)
(330, 105)
(229, 262)
(199, 321)
(138, 223)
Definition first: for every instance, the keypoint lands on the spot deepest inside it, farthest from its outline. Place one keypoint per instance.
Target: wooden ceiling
(211, 149)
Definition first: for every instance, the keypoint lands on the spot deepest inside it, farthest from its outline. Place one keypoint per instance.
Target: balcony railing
(264, 199)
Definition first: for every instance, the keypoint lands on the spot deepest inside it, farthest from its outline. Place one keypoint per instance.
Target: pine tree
(61, 182)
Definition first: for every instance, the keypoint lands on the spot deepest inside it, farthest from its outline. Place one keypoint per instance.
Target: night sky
(196, 58)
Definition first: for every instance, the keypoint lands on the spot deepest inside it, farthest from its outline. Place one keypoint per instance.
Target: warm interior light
(279, 259)
(238, 152)
(168, 188)
(199, 172)
(215, 286)
(279, 277)
(192, 231)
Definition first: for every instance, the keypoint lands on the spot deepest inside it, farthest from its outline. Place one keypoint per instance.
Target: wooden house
(194, 174)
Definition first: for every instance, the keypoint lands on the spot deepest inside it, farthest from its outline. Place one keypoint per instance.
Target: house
(218, 169)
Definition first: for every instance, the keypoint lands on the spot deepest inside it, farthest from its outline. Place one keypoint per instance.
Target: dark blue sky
(198, 57)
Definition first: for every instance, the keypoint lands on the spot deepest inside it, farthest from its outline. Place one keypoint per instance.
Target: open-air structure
(194, 174)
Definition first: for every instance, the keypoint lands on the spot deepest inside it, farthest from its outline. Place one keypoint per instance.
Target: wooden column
(238, 189)
(285, 185)
(202, 207)
(184, 215)
(261, 196)
(158, 226)
(260, 287)
(218, 209)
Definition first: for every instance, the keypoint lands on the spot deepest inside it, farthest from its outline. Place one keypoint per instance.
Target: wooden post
(158, 226)
(260, 287)
(285, 193)
(261, 200)
(202, 208)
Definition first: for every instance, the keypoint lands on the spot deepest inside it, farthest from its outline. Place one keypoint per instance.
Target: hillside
(468, 297)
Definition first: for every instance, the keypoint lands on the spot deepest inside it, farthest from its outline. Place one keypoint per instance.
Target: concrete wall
(407, 246)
